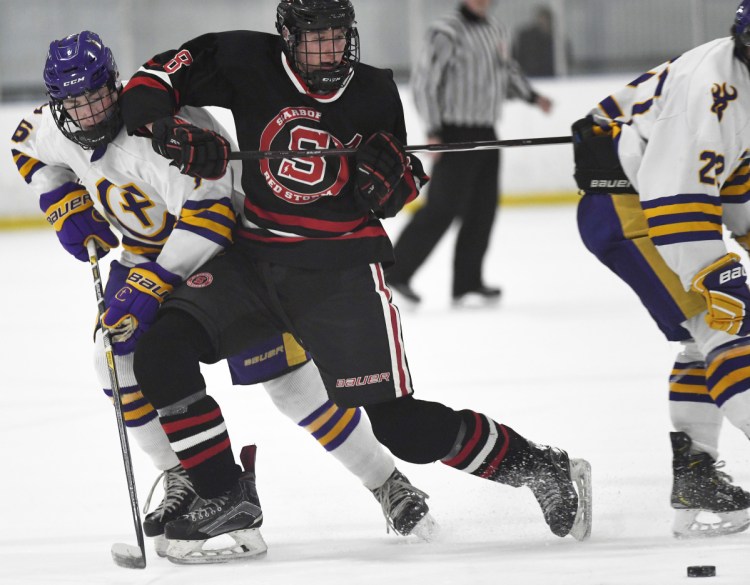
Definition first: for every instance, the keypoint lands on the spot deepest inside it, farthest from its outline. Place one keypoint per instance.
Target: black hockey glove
(381, 164)
(598, 168)
(195, 151)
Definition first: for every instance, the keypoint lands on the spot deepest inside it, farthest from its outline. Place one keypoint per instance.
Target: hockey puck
(701, 571)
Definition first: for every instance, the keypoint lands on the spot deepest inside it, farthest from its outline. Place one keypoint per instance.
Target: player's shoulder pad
(248, 45)
(374, 75)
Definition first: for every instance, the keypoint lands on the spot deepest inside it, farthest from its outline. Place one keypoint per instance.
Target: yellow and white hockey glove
(724, 286)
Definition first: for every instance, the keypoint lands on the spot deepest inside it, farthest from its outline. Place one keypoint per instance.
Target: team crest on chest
(722, 96)
(303, 180)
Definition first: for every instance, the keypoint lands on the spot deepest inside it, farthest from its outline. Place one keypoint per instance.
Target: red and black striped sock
(486, 448)
(199, 437)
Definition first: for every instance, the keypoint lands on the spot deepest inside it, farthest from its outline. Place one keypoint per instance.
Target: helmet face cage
(321, 67)
(82, 83)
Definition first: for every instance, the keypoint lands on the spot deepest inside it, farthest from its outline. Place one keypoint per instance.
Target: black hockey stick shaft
(446, 147)
(114, 382)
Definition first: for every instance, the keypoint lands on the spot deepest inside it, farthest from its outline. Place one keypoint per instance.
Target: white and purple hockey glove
(133, 308)
(70, 210)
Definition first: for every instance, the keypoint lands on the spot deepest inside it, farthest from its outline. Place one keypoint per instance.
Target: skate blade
(249, 545)
(128, 556)
(427, 529)
(703, 524)
(580, 473)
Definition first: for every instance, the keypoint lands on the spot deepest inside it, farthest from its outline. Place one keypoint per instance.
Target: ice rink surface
(569, 358)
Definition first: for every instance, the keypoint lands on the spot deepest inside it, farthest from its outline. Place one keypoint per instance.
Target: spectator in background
(534, 49)
(460, 83)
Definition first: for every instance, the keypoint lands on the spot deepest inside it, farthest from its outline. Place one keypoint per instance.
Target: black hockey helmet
(295, 17)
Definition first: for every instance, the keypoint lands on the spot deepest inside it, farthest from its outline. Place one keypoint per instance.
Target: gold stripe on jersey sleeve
(27, 167)
(222, 230)
(142, 250)
(218, 208)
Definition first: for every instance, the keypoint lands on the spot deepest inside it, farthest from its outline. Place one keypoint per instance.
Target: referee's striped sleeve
(428, 78)
(465, 73)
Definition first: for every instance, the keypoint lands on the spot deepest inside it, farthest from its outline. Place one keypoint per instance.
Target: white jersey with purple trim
(682, 136)
(163, 215)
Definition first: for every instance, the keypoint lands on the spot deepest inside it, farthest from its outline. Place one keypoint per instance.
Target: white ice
(569, 358)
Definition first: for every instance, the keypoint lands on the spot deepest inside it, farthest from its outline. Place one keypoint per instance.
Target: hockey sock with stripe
(488, 449)
(691, 407)
(343, 432)
(140, 416)
(729, 382)
(198, 435)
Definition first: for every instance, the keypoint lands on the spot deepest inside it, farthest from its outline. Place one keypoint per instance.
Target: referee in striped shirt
(464, 75)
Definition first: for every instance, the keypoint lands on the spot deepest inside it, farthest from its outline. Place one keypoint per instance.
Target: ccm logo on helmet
(73, 81)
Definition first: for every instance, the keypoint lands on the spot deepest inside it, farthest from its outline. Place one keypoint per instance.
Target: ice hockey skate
(179, 499)
(704, 499)
(561, 486)
(236, 514)
(405, 508)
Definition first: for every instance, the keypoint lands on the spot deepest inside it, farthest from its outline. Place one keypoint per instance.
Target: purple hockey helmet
(741, 28)
(81, 78)
(295, 17)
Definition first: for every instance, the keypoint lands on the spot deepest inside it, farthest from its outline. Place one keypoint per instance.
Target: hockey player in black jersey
(74, 154)
(308, 258)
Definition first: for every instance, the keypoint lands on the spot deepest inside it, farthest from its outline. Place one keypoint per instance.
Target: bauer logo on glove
(70, 211)
(731, 274)
(723, 285)
(133, 308)
(155, 287)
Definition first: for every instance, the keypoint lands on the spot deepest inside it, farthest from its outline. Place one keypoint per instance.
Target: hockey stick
(124, 555)
(447, 147)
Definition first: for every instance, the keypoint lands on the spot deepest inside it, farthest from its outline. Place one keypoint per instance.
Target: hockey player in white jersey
(678, 137)
(90, 177)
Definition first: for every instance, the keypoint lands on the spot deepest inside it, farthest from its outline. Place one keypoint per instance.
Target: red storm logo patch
(200, 280)
(303, 180)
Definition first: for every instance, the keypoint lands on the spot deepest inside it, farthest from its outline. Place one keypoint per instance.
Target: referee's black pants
(464, 185)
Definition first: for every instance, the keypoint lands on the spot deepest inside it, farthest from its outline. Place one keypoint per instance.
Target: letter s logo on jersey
(303, 180)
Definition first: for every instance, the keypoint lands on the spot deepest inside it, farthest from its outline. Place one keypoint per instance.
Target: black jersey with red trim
(304, 211)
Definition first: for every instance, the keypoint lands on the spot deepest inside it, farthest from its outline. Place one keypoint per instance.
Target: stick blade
(128, 556)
